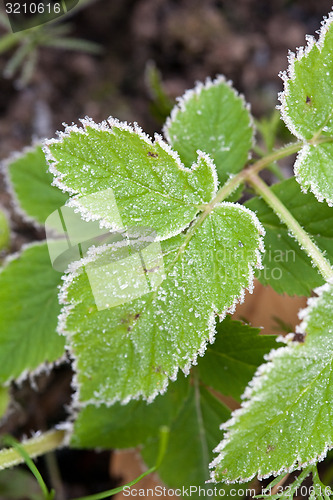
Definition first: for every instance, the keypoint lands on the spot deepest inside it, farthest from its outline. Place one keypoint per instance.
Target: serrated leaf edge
(196, 91)
(5, 168)
(255, 385)
(43, 368)
(107, 126)
(289, 74)
(6, 214)
(309, 184)
(74, 270)
(88, 216)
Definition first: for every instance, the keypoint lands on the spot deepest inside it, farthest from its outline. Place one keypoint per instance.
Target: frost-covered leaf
(116, 174)
(232, 360)
(4, 231)
(28, 313)
(30, 183)
(192, 437)
(214, 119)
(286, 421)
(144, 312)
(228, 366)
(126, 426)
(286, 267)
(307, 109)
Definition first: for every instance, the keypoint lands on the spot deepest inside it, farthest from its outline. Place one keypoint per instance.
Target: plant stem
(34, 447)
(285, 216)
(52, 440)
(260, 164)
(232, 184)
(54, 475)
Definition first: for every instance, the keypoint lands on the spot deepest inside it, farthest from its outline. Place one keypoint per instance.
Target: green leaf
(214, 119)
(160, 105)
(306, 108)
(4, 400)
(192, 436)
(121, 178)
(69, 43)
(31, 185)
(8, 41)
(18, 484)
(4, 231)
(126, 426)
(268, 128)
(286, 422)
(287, 268)
(232, 360)
(28, 313)
(144, 322)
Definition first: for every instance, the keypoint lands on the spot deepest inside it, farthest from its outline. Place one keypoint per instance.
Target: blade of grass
(164, 435)
(10, 441)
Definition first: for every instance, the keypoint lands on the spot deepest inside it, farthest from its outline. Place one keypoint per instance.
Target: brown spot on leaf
(130, 319)
(299, 337)
(152, 155)
(270, 448)
(308, 100)
(158, 369)
(152, 270)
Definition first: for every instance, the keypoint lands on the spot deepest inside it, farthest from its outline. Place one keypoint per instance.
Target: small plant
(157, 252)
(27, 44)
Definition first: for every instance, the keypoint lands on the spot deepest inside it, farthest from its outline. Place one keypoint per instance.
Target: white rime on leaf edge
(256, 384)
(289, 74)
(43, 368)
(107, 126)
(15, 203)
(75, 269)
(196, 91)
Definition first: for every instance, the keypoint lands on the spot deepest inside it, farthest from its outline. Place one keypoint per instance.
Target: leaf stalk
(38, 445)
(303, 238)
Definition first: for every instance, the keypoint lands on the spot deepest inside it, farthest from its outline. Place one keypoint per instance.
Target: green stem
(54, 475)
(34, 447)
(52, 440)
(285, 216)
(232, 184)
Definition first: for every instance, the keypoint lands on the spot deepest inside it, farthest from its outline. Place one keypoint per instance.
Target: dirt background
(187, 40)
